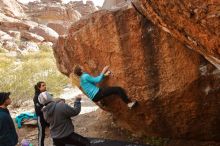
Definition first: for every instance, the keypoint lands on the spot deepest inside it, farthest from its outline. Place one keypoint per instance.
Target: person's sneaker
(132, 104)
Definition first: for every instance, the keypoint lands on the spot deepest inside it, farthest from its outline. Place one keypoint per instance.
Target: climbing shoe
(132, 104)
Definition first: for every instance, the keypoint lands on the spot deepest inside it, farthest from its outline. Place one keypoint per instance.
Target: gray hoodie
(58, 115)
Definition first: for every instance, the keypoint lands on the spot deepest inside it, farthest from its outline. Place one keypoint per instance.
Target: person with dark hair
(42, 124)
(58, 115)
(88, 85)
(8, 135)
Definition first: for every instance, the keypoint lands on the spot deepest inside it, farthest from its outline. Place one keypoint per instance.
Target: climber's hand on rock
(105, 69)
(107, 73)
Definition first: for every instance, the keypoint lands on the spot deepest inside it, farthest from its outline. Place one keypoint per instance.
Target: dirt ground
(98, 124)
(92, 122)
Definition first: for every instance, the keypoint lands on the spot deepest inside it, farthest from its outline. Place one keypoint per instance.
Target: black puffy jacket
(8, 135)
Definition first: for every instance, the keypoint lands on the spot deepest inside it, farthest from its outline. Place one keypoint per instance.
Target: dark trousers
(42, 124)
(75, 139)
(104, 92)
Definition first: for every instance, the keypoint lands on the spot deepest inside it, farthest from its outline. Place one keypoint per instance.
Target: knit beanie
(45, 98)
(3, 97)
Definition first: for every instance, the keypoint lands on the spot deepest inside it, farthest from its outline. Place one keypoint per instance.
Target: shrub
(19, 74)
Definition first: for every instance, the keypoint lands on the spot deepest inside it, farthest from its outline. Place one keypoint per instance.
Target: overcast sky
(96, 2)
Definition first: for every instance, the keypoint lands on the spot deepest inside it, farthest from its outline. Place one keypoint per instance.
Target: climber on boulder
(88, 85)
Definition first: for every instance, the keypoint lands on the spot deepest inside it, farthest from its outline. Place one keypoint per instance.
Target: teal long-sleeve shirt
(88, 84)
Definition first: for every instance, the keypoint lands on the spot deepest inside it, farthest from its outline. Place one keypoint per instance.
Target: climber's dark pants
(73, 138)
(107, 91)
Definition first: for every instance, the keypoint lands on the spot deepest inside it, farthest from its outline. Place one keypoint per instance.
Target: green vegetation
(19, 74)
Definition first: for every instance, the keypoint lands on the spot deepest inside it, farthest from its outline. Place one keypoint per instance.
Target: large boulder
(59, 28)
(15, 34)
(109, 4)
(4, 17)
(55, 15)
(82, 8)
(31, 37)
(4, 36)
(17, 25)
(12, 8)
(44, 13)
(47, 33)
(194, 23)
(177, 89)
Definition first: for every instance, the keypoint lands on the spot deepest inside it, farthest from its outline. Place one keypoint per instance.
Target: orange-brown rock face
(196, 23)
(177, 89)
